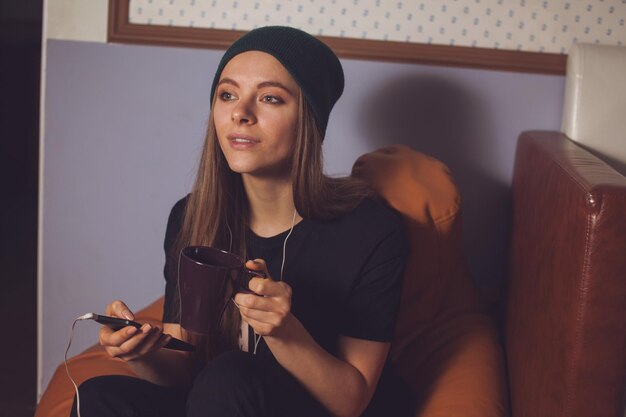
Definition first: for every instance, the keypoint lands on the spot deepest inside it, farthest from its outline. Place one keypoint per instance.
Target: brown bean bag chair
(446, 346)
(59, 395)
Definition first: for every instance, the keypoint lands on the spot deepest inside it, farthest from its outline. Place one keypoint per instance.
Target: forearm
(336, 384)
(165, 367)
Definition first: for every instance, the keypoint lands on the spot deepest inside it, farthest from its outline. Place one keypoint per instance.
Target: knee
(229, 370)
(97, 395)
(233, 379)
(96, 389)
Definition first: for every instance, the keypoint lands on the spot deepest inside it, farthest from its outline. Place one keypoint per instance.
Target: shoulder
(373, 213)
(177, 212)
(370, 223)
(175, 221)
(179, 207)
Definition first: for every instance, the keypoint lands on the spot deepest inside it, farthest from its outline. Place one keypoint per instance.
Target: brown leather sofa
(565, 327)
(566, 309)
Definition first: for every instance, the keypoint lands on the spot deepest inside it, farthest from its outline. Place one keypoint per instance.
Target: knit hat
(312, 64)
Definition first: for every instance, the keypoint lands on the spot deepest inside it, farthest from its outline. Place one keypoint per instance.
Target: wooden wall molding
(120, 30)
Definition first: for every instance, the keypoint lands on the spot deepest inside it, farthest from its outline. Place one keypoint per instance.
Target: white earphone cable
(67, 369)
(257, 337)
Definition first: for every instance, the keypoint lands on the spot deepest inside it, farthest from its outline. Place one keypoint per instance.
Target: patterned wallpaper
(527, 25)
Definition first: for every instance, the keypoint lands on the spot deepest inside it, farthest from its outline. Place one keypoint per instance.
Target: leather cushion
(566, 309)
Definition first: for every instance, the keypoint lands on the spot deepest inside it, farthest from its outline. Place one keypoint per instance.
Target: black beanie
(312, 64)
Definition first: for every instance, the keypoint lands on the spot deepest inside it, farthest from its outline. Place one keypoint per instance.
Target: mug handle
(252, 273)
(258, 274)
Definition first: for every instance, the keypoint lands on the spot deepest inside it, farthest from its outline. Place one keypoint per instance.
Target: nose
(243, 113)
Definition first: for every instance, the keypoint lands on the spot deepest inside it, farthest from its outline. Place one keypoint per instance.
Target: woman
(315, 338)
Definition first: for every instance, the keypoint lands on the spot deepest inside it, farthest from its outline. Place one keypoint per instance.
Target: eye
(226, 96)
(271, 99)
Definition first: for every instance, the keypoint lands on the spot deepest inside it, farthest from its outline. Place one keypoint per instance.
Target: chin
(242, 167)
(239, 170)
(240, 164)
(260, 171)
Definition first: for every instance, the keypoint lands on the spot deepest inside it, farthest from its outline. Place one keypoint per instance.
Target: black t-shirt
(345, 274)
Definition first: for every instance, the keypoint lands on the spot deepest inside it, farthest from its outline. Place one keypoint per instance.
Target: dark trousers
(235, 384)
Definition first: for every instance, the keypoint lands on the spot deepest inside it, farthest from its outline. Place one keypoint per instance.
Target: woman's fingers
(269, 288)
(142, 345)
(258, 265)
(267, 311)
(153, 343)
(264, 321)
(271, 319)
(147, 340)
(110, 337)
(118, 338)
(123, 339)
(254, 301)
(118, 309)
(130, 343)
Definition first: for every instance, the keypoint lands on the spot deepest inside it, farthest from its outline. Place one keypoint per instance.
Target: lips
(242, 142)
(239, 138)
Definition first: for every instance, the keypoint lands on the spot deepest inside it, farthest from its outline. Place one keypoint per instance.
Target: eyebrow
(260, 85)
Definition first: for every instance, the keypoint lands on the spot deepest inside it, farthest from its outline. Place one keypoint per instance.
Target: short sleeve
(371, 308)
(174, 224)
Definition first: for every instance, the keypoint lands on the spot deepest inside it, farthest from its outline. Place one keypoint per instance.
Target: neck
(271, 204)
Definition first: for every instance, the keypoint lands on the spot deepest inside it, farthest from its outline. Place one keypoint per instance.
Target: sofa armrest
(566, 307)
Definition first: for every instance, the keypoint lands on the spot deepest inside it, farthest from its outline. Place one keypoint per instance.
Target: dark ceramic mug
(204, 276)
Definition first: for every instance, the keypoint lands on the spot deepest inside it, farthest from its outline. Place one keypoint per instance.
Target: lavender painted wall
(124, 126)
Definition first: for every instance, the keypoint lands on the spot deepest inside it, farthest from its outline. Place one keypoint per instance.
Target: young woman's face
(255, 114)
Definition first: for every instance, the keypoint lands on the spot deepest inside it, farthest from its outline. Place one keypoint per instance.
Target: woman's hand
(269, 312)
(130, 343)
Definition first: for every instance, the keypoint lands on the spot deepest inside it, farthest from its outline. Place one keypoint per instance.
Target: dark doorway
(20, 56)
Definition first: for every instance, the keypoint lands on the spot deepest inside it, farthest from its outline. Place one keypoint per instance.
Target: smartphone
(117, 324)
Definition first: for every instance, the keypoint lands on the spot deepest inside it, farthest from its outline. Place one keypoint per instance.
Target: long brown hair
(217, 212)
